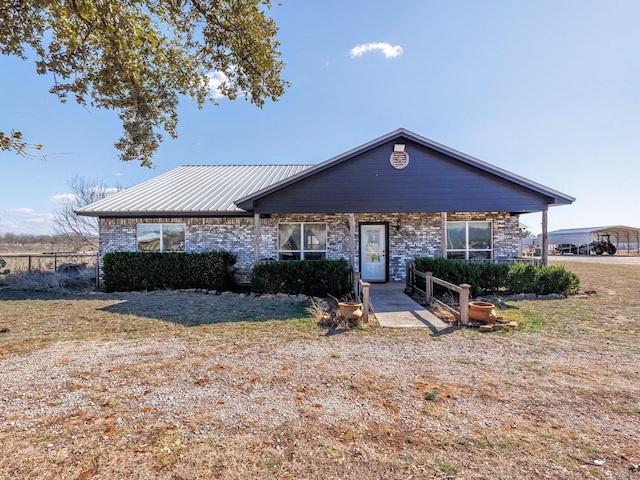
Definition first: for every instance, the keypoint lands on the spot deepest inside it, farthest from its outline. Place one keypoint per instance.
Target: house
(395, 198)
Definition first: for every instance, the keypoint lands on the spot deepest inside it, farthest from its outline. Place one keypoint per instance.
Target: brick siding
(410, 235)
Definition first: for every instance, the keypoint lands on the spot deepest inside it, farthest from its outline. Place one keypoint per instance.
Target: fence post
(464, 304)
(365, 302)
(428, 286)
(356, 285)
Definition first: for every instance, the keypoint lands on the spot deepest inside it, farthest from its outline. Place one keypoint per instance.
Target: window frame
(301, 251)
(468, 252)
(161, 226)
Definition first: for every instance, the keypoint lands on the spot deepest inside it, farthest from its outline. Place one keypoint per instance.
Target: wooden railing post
(464, 304)
(428, 288)
(409, 265)
(365, 302)
(356, 285)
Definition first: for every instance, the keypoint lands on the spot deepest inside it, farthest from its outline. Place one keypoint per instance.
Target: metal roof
(556, 197)
(192, 190)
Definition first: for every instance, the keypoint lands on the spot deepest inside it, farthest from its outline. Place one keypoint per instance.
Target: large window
(469, 240)
(161, 237)
(302, 241)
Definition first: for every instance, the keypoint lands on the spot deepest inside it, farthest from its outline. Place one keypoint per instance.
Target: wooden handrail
(463, 291)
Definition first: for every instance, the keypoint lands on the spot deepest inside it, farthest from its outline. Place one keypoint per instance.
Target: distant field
(177, 385)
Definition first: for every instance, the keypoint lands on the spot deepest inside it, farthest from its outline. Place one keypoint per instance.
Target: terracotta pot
(349, 310)
(483, 312)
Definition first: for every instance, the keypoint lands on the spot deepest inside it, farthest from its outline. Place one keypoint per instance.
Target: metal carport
(626, 239)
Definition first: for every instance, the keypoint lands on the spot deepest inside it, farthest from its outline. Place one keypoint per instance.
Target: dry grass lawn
(176, 385)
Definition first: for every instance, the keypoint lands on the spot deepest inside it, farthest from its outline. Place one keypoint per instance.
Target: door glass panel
(373, 251)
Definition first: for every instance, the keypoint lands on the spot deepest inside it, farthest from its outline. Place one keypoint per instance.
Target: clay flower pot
(483, 312)
(349, 310)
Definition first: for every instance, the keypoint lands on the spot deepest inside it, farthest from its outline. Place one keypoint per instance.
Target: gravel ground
(517, 393)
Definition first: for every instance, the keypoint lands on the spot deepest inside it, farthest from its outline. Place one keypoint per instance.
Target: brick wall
(410, 235)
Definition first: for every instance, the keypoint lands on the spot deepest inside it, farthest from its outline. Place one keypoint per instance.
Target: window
(302, 241)
(469, 240)
(161, 237)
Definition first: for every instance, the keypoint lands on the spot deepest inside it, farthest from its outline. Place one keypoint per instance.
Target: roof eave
(167, 213)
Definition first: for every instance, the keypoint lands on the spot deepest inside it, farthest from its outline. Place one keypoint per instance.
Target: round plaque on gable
(399, 160)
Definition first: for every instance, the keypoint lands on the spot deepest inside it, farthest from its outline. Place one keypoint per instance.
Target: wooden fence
(462, 291)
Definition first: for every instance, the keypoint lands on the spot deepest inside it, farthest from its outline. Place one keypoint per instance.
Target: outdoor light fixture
(397, 225)
(398, 147)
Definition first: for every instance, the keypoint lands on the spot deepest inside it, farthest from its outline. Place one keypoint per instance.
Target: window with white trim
(302, 241)
(469, 240)
(161, 237)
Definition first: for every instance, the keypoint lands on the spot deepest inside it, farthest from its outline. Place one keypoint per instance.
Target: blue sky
(549, 90)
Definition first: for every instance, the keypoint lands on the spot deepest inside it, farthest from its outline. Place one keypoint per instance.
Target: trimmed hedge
(134, 271)
(501, 279)
(317, 278)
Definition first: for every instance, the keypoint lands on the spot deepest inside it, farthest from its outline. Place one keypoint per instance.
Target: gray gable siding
(432, 182)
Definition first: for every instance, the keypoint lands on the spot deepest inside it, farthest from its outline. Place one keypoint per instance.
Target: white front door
(373, 252)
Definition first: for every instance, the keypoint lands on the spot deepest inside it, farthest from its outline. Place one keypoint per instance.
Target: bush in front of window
(485, 278)
(498, 279)
(316, 278)
(136, 271)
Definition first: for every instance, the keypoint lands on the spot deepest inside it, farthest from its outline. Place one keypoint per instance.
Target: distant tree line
(26, 242)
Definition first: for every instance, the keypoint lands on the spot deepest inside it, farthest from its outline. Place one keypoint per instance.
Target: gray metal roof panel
(193, 190)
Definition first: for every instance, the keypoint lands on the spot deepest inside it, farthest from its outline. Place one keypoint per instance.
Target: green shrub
(485, 278)
(522, 278)
(488, 278)
(317, 278)
(556, 279)
(134, 271)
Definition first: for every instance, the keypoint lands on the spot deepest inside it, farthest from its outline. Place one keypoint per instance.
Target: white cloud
(387, 49)
(215, 80)
(25, 220)
(63, 198)
(22, 211)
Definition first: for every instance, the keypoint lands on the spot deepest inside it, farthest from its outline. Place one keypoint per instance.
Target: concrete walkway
(395, 309)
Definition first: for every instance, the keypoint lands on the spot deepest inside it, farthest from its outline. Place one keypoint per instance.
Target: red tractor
(603, 245)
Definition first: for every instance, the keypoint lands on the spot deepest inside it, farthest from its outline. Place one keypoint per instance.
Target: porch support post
(545, 238)
(256, 238)
(443, 234)
(352, 241)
